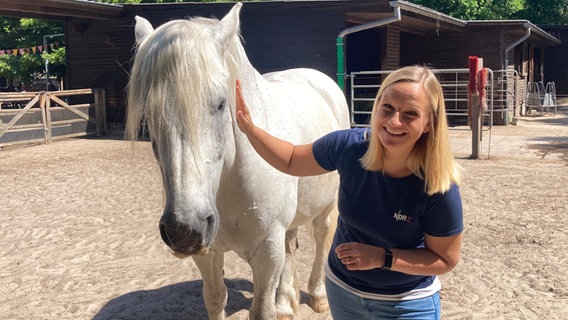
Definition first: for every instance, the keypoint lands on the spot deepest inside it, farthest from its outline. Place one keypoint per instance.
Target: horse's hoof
(319, 305)
(285, 317)
(285, 312)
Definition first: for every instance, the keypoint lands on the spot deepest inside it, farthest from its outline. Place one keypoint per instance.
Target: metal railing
(541, 98)
(501, 94)
(365, 85)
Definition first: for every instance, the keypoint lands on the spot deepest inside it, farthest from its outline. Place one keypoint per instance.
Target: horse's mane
(173, 76)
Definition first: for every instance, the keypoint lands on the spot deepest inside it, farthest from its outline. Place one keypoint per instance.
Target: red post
(474, 104)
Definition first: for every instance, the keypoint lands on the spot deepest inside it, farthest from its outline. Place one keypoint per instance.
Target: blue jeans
(345, 305)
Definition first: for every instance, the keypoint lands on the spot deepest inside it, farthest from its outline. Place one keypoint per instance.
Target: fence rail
(41, 117)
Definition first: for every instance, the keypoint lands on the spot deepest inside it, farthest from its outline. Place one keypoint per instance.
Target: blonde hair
(431, 157)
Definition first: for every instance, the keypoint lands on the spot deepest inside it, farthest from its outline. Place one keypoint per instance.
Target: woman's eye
(387, 109)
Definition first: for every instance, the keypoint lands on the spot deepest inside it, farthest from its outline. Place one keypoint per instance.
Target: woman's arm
(440, 256)
(296, 160)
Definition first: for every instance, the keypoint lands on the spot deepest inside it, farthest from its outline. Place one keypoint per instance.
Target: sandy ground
(79, 237)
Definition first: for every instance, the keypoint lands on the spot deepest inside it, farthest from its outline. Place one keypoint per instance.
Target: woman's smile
(395, 132)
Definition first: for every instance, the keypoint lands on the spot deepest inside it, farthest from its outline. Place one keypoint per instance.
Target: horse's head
(180, 85)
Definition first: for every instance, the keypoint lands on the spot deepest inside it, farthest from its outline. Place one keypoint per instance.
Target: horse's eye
(221, 106)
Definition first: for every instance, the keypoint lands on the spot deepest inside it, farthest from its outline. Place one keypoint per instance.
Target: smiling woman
(417, 92)
(400, 207)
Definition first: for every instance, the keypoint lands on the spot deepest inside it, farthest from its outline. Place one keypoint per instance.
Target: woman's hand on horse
(243, 115)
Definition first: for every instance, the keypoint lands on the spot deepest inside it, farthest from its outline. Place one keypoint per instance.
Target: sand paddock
(79, 236)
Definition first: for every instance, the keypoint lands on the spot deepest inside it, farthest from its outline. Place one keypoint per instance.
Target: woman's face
(403, 115)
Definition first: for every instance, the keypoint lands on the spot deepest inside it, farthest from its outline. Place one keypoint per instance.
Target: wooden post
(475, 127)
(47, 111)
(100, 111)
(43, 116)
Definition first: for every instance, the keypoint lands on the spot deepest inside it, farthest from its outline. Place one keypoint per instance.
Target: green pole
(340, 64)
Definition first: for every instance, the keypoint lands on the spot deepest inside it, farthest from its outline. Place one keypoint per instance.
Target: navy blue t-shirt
(379, 210)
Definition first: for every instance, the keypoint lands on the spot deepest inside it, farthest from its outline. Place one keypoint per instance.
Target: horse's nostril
(212, 225)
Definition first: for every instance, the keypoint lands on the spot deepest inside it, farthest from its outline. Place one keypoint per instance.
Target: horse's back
(303, 85)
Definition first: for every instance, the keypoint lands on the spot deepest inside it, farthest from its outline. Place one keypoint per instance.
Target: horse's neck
(253, 85)
(251, 80)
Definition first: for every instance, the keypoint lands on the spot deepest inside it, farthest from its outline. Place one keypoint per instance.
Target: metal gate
(501, 94)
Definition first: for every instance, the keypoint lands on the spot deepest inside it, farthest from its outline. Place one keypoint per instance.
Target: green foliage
(536, 11)
(498, 9)
(56, 60)
(552, 12)
(18, 33)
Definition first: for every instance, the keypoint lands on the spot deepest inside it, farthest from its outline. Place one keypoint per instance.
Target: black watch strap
(388, 259)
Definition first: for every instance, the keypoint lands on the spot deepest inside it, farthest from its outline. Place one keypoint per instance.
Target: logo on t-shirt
(399, 216)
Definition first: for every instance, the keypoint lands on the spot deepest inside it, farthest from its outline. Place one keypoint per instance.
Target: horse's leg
(323, 227)
(288, 295)
(214, 289)
(266, 261)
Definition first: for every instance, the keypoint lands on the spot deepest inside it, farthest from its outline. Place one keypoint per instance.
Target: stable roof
(60, 9)
(416, 17)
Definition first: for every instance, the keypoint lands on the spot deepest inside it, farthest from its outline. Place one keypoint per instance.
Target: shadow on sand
(177, 301)
(548, 145)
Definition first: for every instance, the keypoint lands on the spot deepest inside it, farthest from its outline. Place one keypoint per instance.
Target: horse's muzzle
(188, 239)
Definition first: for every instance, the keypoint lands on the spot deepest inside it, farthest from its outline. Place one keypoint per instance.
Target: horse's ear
(142, 29)
(230, 24)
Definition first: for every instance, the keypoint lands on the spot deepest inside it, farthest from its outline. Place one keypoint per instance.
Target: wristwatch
(388, 259)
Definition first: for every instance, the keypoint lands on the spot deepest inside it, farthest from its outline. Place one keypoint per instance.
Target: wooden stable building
(369, 34)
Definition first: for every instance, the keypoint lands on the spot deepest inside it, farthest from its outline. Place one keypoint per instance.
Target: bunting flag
(29, 50)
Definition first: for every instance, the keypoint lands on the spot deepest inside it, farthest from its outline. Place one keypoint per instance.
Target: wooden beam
(60, 9)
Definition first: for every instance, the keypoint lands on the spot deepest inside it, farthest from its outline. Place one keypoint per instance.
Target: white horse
(219, 194)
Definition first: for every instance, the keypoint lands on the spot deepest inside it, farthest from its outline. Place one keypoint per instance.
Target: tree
(27, 34)
(536, 11)
(552, 12)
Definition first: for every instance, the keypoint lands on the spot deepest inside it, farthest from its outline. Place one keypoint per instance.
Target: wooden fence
(41, 117)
